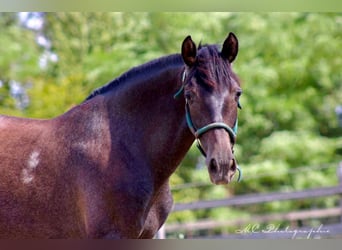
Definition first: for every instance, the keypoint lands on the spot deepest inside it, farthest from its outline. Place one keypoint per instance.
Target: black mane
(139, 71)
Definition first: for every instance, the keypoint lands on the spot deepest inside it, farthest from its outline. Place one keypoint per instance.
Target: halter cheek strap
(180, 91)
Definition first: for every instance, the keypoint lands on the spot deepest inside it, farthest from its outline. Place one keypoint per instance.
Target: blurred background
(290, 127)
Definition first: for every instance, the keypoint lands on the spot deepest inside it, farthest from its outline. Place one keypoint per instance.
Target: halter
(215, 125)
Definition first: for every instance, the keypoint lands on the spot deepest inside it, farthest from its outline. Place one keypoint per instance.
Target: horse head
(212, 91)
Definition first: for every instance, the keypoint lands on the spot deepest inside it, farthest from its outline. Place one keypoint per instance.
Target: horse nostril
(213, 167)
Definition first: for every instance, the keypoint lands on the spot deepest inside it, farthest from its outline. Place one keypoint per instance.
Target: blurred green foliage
(289, 64)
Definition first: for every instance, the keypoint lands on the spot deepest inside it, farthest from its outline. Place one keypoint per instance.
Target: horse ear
(230, 47)
(189, 51)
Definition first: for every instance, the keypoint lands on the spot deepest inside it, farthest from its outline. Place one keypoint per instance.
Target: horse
(102, 169)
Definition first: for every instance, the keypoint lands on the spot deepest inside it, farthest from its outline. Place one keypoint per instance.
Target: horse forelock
(212, 69)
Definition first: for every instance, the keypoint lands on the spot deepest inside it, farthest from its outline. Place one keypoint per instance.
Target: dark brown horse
(102, 169)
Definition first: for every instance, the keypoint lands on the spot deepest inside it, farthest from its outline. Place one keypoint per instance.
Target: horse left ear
(189, 51)
(230, 47)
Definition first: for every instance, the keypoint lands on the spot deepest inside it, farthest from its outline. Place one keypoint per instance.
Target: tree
(18, 64)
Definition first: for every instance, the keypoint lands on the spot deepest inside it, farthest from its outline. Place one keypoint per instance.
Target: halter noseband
(215, 125)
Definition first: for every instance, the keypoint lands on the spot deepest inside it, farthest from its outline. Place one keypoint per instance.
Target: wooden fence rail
(260, 198)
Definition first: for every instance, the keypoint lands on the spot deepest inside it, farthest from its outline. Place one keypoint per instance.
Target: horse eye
(238, 93)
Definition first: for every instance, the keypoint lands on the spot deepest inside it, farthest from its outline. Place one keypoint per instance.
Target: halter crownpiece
(215, 125)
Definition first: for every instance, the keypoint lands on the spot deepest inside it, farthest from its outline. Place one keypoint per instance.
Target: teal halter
(199, 132)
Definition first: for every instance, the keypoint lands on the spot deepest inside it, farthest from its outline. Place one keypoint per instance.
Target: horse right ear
(189, 51)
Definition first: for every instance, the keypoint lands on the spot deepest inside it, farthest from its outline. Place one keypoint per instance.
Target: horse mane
(137, 72)
(204, 51)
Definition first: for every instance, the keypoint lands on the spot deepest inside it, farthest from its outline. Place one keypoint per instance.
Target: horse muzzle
(221, 171)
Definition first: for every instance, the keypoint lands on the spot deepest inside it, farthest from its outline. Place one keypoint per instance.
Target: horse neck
(150, 121)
